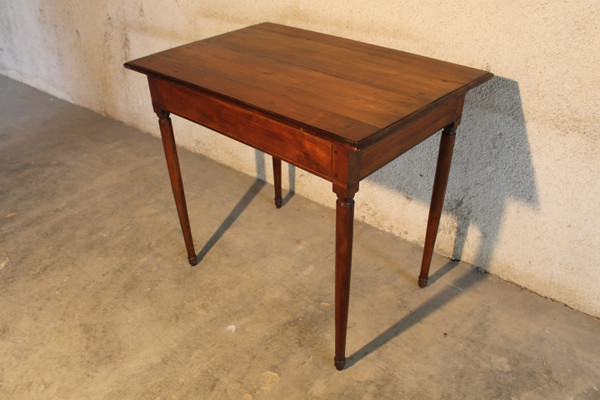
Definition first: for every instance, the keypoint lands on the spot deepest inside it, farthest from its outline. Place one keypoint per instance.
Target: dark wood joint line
(459, 110)
(450, 130)
(163, 115)
(345, 194)
(345, 169)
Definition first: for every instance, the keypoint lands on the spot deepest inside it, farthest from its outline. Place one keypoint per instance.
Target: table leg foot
(339, 364)
(193, 260)
(423, 282)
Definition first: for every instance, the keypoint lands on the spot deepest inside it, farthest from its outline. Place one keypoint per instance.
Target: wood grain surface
(332, 86)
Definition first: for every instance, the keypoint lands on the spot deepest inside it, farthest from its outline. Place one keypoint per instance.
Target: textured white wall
(523, 195)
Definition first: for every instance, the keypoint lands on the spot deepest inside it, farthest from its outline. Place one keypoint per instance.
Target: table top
(347, 90)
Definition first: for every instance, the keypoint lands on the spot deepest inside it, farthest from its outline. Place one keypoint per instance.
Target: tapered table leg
(166, 131)
(437, 199)
(277, 181)
(343, 264)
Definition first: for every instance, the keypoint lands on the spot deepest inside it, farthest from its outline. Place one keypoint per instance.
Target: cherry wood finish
(337, 108)
(437, 199)
(166, 132)
(343, 265)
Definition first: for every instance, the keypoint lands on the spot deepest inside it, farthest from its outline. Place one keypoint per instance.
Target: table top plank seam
(369, 63)
(398, 56)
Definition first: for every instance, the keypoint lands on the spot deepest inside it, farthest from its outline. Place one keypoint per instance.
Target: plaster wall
(522, 200)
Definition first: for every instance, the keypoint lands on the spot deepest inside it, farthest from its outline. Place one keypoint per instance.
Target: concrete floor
(97, 300)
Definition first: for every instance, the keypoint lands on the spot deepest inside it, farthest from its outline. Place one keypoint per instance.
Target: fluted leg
(343, 264)
(166, 131)
(437, 199)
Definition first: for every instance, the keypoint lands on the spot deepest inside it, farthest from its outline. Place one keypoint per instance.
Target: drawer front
(248, 126)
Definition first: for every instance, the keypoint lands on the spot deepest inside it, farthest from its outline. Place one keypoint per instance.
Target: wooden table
(337, 108)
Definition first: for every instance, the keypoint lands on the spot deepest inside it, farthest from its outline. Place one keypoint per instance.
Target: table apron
(283, 141)
(408, 135)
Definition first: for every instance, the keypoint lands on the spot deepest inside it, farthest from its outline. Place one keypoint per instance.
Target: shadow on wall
(501, 169)
(491, 164)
